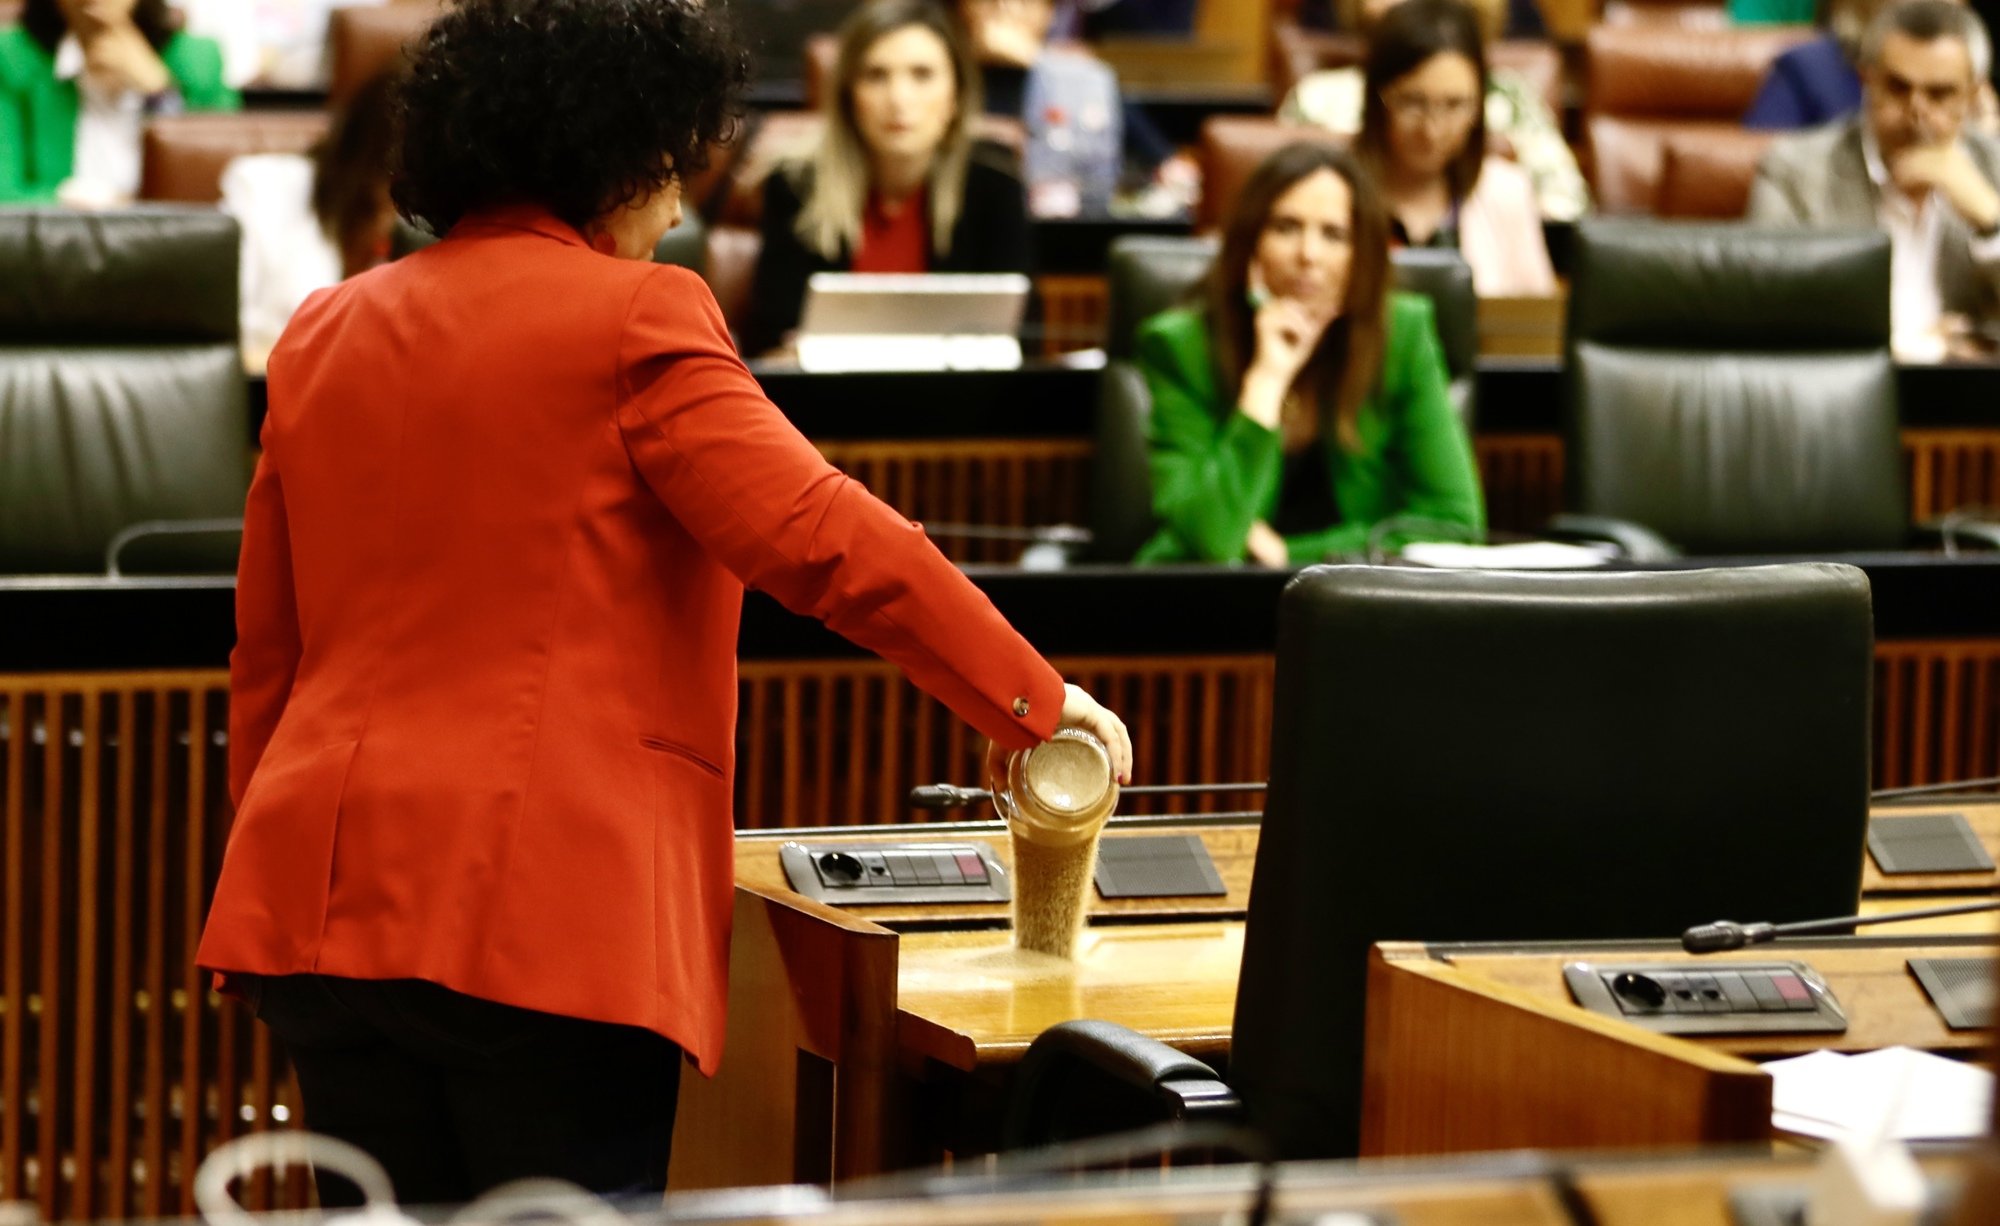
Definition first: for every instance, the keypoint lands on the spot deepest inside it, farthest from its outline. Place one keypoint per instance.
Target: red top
(483, 697)
(898, 243)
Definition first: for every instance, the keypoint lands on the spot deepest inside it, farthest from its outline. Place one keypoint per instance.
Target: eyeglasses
(1414, 108)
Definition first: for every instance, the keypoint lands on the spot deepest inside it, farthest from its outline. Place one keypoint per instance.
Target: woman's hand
(1266, 547)
(117, 53)
(1287, 331)
(1003, 32)
(1080, 710)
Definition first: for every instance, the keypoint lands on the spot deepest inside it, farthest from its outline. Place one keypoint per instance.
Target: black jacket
(991, 236)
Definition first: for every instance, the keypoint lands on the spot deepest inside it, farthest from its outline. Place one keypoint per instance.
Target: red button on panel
(1791, 987)
(971, 865)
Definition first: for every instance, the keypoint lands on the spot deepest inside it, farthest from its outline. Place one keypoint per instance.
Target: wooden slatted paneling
(1011, 483)
(1029, 482)
(1935, 715)
(1522, 475)
(1075, 308)
(119, 1068)
(841, 742)
(1951, 470)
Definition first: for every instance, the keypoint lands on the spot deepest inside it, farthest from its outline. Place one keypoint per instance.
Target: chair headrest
(142, 276)
(1729, 287)
(1568, 594)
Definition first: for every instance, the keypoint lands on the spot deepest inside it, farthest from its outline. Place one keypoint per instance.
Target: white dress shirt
(110, 125)
(286, 255)
(1916, 231)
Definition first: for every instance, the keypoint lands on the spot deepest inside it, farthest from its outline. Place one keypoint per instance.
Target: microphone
(947, 796)
(1728, 934)
(951, 796)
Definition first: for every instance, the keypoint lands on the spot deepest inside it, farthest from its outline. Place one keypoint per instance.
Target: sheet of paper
(1900, 1092)
(1523, 555)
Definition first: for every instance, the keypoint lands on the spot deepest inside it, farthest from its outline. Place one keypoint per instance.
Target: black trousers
(455, 1096)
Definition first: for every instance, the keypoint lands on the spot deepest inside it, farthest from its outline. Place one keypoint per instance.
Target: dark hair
(351, 168)
(579, 106)
(45, 23)
(1343, 370)
(1406, 37)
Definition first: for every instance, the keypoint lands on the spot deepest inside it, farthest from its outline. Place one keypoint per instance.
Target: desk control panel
(1709, 997)
(847, 874)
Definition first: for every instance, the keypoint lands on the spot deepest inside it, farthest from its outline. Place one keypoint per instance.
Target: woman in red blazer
(484, 689)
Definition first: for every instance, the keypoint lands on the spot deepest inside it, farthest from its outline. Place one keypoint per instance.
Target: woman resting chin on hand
(1299, 404)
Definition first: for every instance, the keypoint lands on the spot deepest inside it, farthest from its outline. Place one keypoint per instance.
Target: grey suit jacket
(1819, 178)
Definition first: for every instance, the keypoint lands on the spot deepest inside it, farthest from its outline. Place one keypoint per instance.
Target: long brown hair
(1343, 370)
(830, 222)
(351, 171)
(1406, 37)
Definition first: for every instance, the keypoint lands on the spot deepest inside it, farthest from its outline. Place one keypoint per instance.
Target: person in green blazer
(134, 63)
(1301, 404)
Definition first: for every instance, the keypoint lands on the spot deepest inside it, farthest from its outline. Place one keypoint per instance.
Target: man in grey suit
(1908, 164)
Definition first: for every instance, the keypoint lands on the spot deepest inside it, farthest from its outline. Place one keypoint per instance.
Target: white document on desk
(1897, 1092)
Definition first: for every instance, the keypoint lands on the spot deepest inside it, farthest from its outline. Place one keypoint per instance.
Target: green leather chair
(1148, 275)
(1729, 390)
(1491, 756)
(122, 394)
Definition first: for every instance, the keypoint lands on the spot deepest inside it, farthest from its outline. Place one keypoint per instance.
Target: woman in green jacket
(1300, 404)
(79, 79)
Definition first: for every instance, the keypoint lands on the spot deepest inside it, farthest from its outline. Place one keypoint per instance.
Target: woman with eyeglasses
(1299, 407)
(1423, 138)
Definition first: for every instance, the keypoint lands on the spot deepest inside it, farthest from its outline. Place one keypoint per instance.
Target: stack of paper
(1523, 555)
(1897, 1092)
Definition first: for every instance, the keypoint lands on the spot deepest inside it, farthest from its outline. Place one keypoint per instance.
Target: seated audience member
(312, 221)
(78, 80)
(1079, 131)
(274, 43)
(1771, 12)
(1300, 404)
(897, 185)
(1909, 164)
(1815, 82)
(1423, 140)
(1517, 117)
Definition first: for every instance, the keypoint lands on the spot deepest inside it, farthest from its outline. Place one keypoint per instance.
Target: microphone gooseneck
(1728, 934)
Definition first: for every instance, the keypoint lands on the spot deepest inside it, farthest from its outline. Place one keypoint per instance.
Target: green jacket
(38, 112)
(1216, 472)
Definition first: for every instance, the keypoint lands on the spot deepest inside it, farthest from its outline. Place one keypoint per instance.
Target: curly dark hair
(576, 105)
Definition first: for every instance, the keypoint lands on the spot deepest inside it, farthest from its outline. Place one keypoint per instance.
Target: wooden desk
(935, 1005)
(1480, 1047)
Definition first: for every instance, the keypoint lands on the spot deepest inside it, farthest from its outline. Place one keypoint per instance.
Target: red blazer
(483, 697)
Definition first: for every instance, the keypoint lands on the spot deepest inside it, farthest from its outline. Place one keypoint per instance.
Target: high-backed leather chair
(1231, 149)
(183, 156)
(1452, 759)
(1708, 177)
(364, 40)
(1730, 388)
(1148, 275)
(1647, 82)
(122, 397)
